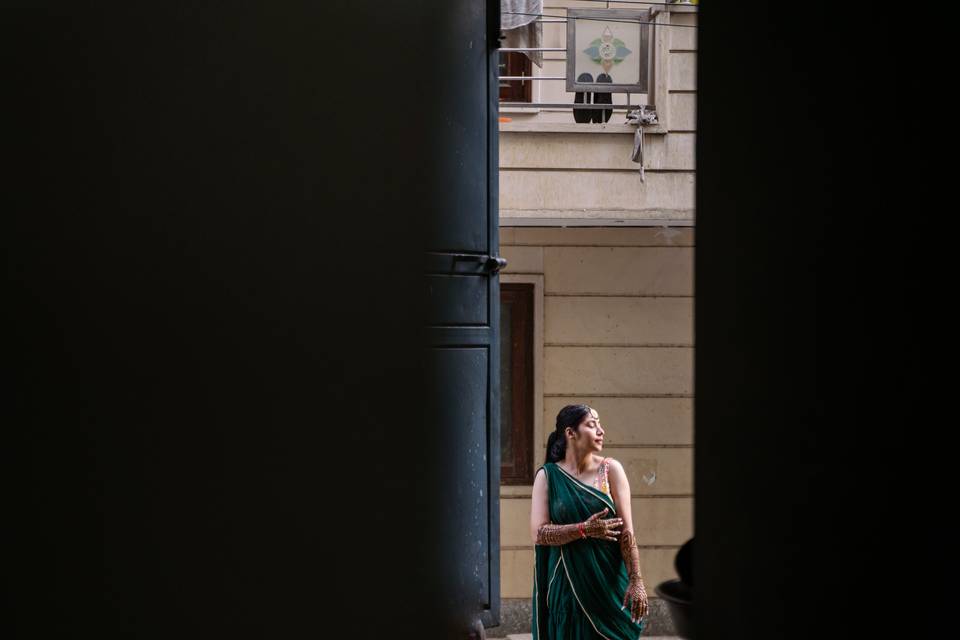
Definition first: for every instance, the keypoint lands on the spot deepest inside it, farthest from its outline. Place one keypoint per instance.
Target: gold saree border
(589, 619)
(557, 566)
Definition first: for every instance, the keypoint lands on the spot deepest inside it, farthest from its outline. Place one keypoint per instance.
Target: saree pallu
(578, 587)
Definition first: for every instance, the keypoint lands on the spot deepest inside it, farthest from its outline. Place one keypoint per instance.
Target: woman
(587, 581)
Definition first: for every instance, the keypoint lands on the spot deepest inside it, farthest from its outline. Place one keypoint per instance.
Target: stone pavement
(515, 617)
(529, 636)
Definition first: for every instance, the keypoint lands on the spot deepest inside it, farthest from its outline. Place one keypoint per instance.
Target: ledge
(516, 490)
(576, 127)
(681, 8)
(519, 110)
(675, 7)
(596, 218)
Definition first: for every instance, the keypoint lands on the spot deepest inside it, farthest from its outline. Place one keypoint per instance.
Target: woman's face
(589, 433)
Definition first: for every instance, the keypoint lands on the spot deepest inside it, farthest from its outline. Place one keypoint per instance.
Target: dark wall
(213, 276)
(212, 248)
(822, 475)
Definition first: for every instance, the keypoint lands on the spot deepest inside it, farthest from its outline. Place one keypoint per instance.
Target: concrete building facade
(610, 258)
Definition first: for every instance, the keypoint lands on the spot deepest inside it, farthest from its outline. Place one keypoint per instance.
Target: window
(516, 383)
(515, 63)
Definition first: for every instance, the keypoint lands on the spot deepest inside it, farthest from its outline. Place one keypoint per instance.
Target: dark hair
(569, 416)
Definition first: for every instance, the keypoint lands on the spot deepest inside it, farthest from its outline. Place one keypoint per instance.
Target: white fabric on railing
(511, 12)
(640, 117)
(522, 30)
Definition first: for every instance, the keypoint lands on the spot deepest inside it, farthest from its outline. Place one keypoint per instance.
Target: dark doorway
(516, 383)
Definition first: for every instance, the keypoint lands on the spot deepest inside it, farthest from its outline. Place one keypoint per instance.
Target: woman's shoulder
(548, 468)
(613, 463)
(545, 475)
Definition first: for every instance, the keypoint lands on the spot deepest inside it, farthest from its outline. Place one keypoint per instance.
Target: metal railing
(556, 105)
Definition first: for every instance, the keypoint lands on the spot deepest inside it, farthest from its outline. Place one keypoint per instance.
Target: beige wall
(617, 333)
(615, 305)
(554, 169)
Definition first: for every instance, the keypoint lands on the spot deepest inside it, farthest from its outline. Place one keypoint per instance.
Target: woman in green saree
(587, 581)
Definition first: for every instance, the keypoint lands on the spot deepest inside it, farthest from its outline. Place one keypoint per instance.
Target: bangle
(583, 534)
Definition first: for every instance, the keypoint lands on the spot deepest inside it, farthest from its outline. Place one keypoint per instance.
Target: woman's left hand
(636, 599)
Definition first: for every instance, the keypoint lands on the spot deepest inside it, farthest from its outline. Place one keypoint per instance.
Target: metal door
(462, 293)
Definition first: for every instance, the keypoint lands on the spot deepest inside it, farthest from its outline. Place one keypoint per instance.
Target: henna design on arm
(557, 534)
(630, 553)
(592, 527)
(636, 595)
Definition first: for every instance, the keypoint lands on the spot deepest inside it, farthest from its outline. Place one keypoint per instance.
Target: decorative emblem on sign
(607, 51)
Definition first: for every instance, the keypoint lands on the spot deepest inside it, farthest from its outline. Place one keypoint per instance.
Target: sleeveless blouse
(602, 481)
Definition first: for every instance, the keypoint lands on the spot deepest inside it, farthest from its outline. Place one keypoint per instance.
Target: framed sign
(609, 50)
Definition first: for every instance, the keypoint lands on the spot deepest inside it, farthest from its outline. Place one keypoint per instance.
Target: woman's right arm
(544, 533)
(539, 508)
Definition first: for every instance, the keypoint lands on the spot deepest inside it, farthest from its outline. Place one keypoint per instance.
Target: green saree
(578, 587)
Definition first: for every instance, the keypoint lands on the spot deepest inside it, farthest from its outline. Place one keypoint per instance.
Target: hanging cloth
(518, 21)
(640, 117)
